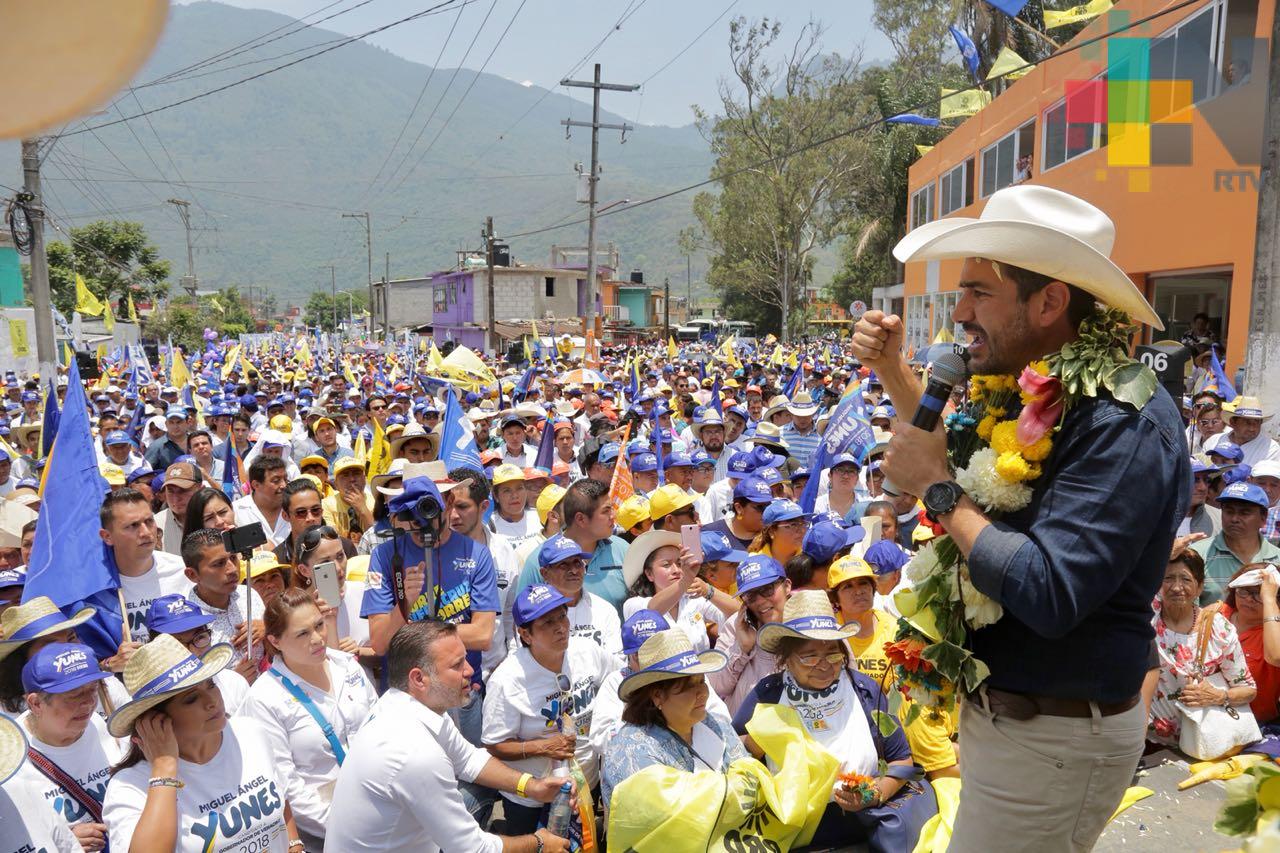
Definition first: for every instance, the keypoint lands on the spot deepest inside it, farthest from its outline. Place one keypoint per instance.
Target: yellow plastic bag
(935, 836)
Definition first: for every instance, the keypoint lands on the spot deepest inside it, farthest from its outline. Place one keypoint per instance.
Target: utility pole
(666, 307)
(333, 291)
(1263, 355)
(488, 263)
(184, 213)
(593, 178)
(41, 300)
(368, 248)
(688, 286)
(386, 301)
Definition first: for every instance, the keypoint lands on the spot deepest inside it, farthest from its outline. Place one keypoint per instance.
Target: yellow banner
(1083, 12)
(18, 338)
(923, 149)
(86, 301)
(108, 319)
(133, 312)
(962, 103)
(1009, 65)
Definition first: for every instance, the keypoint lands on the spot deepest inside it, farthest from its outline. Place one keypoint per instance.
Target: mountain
(270, 165)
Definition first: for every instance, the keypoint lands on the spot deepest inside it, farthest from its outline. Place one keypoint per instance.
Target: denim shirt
(1077, 568)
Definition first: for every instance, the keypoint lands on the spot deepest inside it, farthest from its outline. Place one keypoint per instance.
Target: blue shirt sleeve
(484, 581)
(530, 573)
(377, 586)
(895, 746)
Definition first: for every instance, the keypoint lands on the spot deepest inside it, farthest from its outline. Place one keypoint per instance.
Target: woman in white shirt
(73, 753)
(189, 625)
(192, 780)
(537, 706)
(322, 544)
(310, 702)
(24, 825)
(659, 572)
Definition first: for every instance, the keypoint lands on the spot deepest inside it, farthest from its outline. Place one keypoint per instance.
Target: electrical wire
(688, 46)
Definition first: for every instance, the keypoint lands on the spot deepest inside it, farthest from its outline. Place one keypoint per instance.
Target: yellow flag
(133, 312)
(109, 319)
(179, 376)
(962, 102)
(86, 302)
(380, 453)
(358, 448)
(217, 306)
(302, 355)
(348, 375)
(1010, 65)
(672, 352)
(245, 367)
(536, 340)
(775, 360)
(231, 362)
(434, 358)
(923, 149)
(67, 352)
(463, 361)
(944, 336)
(793, 361)
(1083, 12)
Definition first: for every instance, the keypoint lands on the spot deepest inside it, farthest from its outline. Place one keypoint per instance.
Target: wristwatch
(941, 498)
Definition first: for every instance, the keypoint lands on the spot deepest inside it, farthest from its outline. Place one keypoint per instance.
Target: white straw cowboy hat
(668, 655)
(807, 615)
(639, 550)
(158, 671)
(13, 747)
(33, 619)
(1039, 229)
(803, 406)
(395, 471)
(413, 431)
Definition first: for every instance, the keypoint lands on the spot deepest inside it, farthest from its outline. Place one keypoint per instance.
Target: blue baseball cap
(173, 614)
(1198, 467)
(763, 458)
(116, 437)
(700, 458)
(824, 540)
(175, 412)
(138, 474)
(11, 578)
(609, 452)
(769, 475)
(640, 626)
(415, 489)
(60, 668)
(33, 397)
(644, 462)
(741, 463)
(1245, 493)
(753, 489)
(800, 473)
(536, 599)
(1236, 474)
(718, 546)
(1228, 450)
(559, 548)
(679, 460)
(508, 420)
(756, 571)
(782, 509)
(845, 459)
(885, 557)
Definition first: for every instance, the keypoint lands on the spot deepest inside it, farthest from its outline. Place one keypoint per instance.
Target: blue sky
(550, 36)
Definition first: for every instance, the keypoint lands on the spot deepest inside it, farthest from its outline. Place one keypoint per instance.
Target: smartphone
(691, 538)
(326, 580)
(245, 538)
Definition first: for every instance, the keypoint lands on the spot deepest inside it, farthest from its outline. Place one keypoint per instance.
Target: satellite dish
(63, 58)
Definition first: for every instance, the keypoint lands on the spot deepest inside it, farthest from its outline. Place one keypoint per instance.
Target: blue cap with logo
(885, 557)
(1228, 450)
(756, 571)
(415, 489)
(640, 626)
(782, 509)
(117, 436)
(11, 578)
(741, 463)
(644, 462)
(559, 548)
(825, 540)
(1236, 474)
(753, 489)
(536, 599)
(718, 546)
(1246, 493)
(61, 667)
(609, 452)
(764, 458)
(700, 458)
(679, 460)
(173, 614)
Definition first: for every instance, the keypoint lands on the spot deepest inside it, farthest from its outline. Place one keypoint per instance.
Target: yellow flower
(985, 426)
(997, 411)
(1004, 437)
(1039, 451)
(1012, 468)
(1041, 367)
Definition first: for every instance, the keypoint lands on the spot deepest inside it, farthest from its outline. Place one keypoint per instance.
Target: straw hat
(807, 615)
(13, 747)
(395, 471)
(1039, 229)
(33, 619)
(646, 543)
(777, 403)
(768, 435)
(668, 655)
(415, 431)
(160, 669)
(22, 434)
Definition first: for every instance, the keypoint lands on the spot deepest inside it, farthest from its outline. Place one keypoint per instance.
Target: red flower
(906, 654)
(1043, 407)
(1165, 727)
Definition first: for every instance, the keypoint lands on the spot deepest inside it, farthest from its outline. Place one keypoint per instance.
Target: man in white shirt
(215, 588)
(399, 788)
(514, 449)
(268, 475)
(1246, 433)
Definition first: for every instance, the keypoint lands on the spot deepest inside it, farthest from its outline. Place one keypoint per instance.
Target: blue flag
(715, 396)
(546, 447)
(457, 447)
(49, 426)
(69, 563)
(912, 118)
(1009, 7)
(232, 482)
(847, 431)
(657, 447)
(1226, 390)
(968, 51)
(133, 429)
(523, 386)
(793, 382)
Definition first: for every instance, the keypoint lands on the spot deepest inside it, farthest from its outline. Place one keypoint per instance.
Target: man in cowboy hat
(1075, 570)
(1246, 433)
(801, 436)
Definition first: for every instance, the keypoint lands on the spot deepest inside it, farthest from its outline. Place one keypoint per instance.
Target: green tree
(321, 308)
(116, 260)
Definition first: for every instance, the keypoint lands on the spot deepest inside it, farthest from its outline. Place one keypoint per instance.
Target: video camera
(426, 518)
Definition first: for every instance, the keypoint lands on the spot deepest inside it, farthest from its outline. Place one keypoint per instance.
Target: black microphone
(949, 370)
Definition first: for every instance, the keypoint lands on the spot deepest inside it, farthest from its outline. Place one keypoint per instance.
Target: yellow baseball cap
(668, 499)
(848, 568)
(634, 510)
(346, 463)
(283, 423)
(922, 533)
(260, 563)
(508, 474)
(113, 474)
(548, 500)
(313, 459)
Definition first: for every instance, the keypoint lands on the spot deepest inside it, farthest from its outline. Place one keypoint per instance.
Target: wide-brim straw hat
(668, 655)
(33, 619)
(1040, 229)
(639, 550)
(13, 747)
(807, 615)
(158, 671)
(394, 472)
(416, 431)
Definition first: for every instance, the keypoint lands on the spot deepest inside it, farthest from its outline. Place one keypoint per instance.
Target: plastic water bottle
(560, 818)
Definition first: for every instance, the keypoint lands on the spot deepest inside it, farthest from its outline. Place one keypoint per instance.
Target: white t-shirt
(233, 802)
(692, 617)
(350, 622)
(247, 512)
(300, 751)
(88, 761)
(234, 690)
(523, 702)
(506, 572)
(28, 826)
(517, 532)
(165, 577)
(595, 619)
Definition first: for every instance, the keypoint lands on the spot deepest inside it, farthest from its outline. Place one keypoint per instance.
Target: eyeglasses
(1254, 593)
(377, 408)
(814, 659)
(199, 637)
(765, 591)
(793, 525)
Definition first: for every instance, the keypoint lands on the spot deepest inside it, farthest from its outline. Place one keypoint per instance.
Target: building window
(1008, 161)
(922, 206)
(1066, 140)
(549, 283)
(955, 188)
(944, 307)
(917, 332)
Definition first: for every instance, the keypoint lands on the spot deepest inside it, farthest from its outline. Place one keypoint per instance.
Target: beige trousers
(1047, 784)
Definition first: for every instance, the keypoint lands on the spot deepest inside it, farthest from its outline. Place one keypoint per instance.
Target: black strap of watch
(941, 498)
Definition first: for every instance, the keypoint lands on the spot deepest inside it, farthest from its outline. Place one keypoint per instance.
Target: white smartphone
(691, 538)
(326, 580)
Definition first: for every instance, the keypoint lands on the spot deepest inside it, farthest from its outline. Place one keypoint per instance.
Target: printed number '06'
(1157, 361)
(735, 843)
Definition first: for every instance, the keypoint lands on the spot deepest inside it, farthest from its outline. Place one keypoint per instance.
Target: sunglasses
(812, 660)
(311, 538)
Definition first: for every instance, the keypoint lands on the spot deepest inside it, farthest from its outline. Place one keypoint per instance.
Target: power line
(686, 48)
(424, 13)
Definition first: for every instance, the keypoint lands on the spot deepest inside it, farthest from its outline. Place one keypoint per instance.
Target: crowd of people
(421, 656)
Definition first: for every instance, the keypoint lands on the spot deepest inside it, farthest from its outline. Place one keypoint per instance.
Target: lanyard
(325, 726)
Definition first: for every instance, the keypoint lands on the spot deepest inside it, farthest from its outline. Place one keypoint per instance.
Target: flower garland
(863, 786)
(998, 445)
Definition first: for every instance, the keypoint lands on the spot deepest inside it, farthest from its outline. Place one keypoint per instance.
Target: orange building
(1181, 187)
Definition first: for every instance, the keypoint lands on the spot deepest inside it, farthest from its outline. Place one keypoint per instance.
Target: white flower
(979, 610)
(922, 566)
(987, 488)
